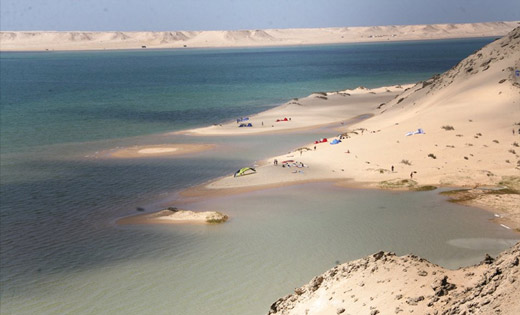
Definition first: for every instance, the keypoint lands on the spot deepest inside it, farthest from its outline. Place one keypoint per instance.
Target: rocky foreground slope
(384, 283)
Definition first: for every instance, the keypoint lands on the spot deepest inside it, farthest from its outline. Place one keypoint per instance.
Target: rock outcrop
(384, 283)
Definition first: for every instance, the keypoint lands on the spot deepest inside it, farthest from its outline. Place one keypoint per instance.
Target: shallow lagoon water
(60, 249)
(276, 240)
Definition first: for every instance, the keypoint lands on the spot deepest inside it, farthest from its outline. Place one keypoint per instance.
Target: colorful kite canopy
(245, 171)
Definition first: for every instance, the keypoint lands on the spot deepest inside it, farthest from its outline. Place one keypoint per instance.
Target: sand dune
(470, 116)
(85, 40)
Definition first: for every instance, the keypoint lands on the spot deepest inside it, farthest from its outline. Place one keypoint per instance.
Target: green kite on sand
(245, 171)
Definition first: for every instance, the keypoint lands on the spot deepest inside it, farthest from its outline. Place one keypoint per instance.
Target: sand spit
(458, 129)
(313, 111)
(85, 40)
(384, 283)
(163, 150)
(176, 216)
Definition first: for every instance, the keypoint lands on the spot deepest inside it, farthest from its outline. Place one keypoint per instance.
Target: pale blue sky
(158, 15)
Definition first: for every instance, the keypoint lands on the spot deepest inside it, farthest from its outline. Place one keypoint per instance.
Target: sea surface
(61, 251)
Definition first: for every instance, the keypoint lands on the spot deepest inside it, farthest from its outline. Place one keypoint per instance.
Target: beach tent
(245, 171)
(335, 141)
(246, 125)
(419, 131)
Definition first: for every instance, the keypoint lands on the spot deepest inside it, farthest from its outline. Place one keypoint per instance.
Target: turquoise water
(57, 97)
(60, 249)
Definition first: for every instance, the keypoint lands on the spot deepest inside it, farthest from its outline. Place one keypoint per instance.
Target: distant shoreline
(23, 41)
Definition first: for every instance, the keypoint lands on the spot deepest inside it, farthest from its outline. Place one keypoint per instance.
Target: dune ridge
(89, 40)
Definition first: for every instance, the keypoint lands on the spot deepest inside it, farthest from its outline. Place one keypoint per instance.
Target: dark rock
(378, 255)
(340, 310)
(488, 260)
(441, 286)
(299, 291)
(315, 283)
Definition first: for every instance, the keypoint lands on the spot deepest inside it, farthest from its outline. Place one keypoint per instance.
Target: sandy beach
(87, 40)
(458, 129)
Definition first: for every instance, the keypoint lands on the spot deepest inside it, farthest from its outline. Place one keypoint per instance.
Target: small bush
(173, 209)
(448, 127)
(496, 141)
(512, 151)
(432, 156)
(515, 144)
(219, 218)
(406, 162)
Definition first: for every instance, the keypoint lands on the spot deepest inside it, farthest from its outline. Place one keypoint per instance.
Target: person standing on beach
(392, 168)
(411, 175)
(275, 162)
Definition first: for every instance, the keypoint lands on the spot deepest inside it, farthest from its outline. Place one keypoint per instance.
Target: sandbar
(175, 217)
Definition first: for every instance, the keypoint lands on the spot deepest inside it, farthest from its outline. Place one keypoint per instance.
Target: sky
(162, 15)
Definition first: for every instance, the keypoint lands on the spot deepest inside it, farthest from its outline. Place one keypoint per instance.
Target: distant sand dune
(86, 40)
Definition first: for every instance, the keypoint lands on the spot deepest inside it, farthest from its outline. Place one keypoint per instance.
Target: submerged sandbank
(162, 150)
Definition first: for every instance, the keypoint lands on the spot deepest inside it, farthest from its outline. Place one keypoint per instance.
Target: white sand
(318, 109)
(176, 217)
(85, 40)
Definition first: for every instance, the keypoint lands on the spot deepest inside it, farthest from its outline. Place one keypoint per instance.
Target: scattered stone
(340, 310)
(414, 301)
(441, 286)
(299, 291)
